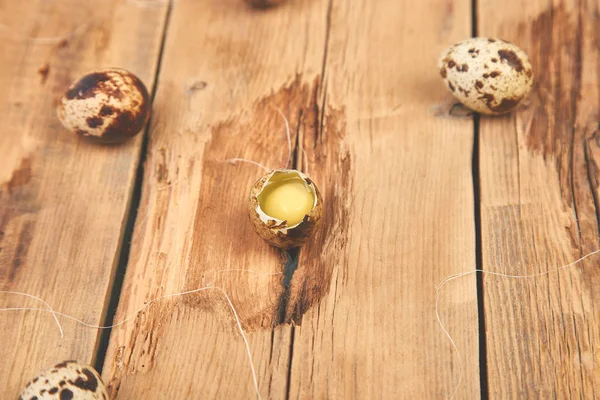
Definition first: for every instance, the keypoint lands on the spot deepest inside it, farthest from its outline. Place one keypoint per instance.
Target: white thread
(289, 137)
(45, 40)
(235, 160)
(45, 303)
(168, 186)
(305, 160)
(146, 306)
(462, 274)
(239, 324)
(289, 140)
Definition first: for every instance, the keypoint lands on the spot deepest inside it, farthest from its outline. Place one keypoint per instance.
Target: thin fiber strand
(49, 308)
(236, 160)
(288, 136)
(463, 274)
(133, 315)
(46, 40)
(130, 317)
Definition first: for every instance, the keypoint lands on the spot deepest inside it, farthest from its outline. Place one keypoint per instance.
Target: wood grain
(358, 82)
(227, 69)
(539, 206)
(63, 202)
(397, 174)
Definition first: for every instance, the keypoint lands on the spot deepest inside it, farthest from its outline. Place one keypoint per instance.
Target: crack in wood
(136, 195)
(291, 358)
(574, 110)
(591, 170)
(289, 268)
(319, 127)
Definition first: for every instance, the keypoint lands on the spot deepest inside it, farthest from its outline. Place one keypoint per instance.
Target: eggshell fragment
(65, 381)
(276, 232)
(106, 106)
(488, 75)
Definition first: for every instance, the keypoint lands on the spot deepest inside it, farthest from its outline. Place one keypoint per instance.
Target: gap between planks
(298, 160)
(131, 218)
(483, 370)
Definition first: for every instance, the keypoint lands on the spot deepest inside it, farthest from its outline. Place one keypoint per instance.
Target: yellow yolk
(287, 199)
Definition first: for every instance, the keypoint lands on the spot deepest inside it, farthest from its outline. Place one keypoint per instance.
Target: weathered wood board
(399, 174)
(539, 207)
(351, 314)
(217, 99)
(359, 84)
(63, 202)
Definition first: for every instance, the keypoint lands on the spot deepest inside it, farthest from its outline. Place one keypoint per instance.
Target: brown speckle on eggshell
(276, 232)
(107, 106)
(492, 75)
(66, 380)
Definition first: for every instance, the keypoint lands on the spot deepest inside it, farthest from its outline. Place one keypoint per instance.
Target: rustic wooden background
(414, 189)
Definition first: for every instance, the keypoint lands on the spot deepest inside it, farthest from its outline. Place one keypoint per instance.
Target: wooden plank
(226, 70)
(397, 176)
(63, 202)
(395, 172)
(539, 206)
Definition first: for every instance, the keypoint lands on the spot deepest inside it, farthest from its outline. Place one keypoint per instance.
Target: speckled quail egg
(488, 75)
(106, 106)
(68, 380)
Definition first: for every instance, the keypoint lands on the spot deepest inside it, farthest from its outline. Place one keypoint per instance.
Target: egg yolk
(287, 199)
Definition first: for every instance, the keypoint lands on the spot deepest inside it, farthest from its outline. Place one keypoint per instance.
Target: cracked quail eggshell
(276, 232)
(66, 380)
(488, 75)
(106, 106)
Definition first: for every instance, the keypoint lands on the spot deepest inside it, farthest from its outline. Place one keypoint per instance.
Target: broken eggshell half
(278, 232)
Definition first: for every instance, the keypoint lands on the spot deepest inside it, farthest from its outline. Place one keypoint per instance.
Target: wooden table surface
(414, 190)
